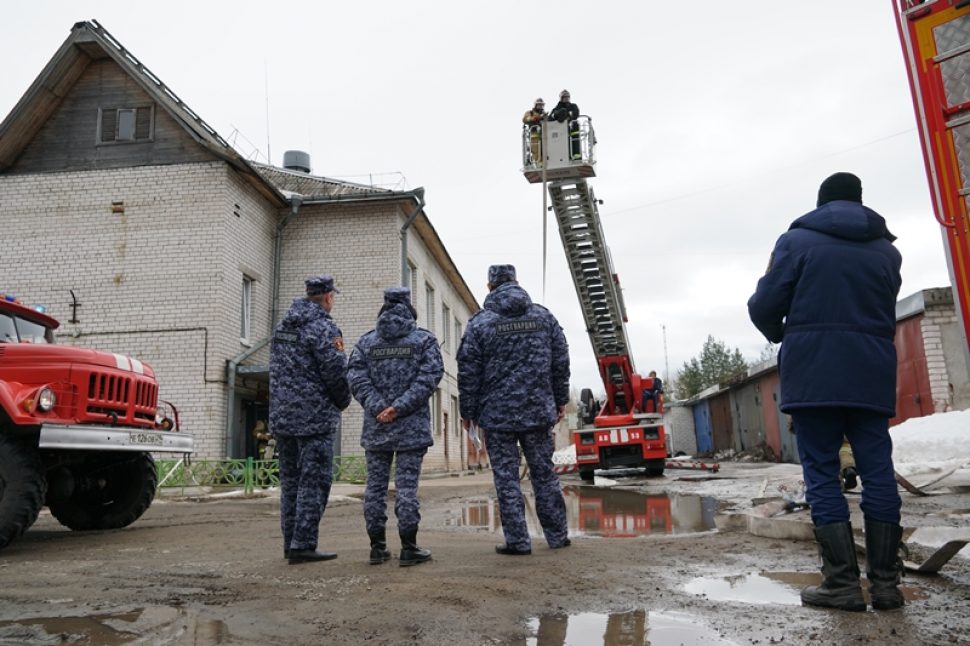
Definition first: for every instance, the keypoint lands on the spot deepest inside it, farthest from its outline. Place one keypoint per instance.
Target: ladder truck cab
(626, 429)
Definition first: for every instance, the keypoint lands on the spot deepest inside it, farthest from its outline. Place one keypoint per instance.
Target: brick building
(145, 232)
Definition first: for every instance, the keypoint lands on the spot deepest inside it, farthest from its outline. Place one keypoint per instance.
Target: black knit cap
(840, 186)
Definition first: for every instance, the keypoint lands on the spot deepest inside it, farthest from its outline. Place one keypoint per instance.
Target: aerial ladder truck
(935, 36)
(626, 429)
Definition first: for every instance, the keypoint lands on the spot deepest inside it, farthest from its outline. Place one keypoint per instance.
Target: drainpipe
(405, 270)
(295, 202)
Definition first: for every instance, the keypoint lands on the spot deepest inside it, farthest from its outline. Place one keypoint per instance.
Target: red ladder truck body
(935, 37)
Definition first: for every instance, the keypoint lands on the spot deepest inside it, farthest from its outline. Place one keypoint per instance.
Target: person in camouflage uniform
(308, 390)
(393, 371)
(513, 379)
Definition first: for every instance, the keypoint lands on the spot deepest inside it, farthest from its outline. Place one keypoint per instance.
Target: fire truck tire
(22, 488)
(654, 469)
(586, 474)
(108, 494)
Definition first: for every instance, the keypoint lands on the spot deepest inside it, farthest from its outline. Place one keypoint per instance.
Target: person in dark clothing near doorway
(829, 296)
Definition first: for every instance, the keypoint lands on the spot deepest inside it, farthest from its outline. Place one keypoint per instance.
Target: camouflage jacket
(396, 364)
(513, 364)
(307, 372)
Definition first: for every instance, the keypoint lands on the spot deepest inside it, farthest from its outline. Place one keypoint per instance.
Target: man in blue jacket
(513, 379)
(829, 296)
(308, 390)
(394, 370)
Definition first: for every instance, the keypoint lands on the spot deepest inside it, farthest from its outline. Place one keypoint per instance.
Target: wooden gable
(79, 134)
(95, 105)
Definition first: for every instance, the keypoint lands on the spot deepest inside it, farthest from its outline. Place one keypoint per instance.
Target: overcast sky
(716, 122)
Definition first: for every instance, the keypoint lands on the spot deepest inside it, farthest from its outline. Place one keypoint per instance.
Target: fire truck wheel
(586, 475)
(654, 469)
(22, 488)
(109, 492)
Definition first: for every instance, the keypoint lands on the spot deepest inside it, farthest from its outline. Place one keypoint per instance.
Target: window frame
(246, 309)
(99, 135)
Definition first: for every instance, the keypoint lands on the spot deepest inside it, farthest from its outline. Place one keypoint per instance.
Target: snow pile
(928, 447)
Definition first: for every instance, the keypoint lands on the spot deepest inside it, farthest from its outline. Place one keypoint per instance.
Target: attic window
(126, 125)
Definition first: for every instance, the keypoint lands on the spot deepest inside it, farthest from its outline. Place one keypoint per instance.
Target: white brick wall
(147, 277)
(162, 278)
(361, 246)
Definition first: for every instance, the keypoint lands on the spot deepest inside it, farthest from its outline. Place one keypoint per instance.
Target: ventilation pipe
(296, 160)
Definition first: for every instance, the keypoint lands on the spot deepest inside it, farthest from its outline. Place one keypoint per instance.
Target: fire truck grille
(115, 395)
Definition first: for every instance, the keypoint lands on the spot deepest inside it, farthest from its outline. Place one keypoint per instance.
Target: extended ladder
(591, 266)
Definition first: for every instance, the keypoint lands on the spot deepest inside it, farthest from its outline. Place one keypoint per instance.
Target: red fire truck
(935, 36)
(77, 429)
(626, 429)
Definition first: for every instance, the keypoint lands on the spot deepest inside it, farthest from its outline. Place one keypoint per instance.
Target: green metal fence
(247, 474)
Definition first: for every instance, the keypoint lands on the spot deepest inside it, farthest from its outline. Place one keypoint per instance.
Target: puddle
(100, 629)
(632, 628)
(606, 513)
(160, 624)
(775, 588)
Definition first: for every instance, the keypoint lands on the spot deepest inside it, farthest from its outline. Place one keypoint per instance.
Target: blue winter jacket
(513, 364)
(396, 364)
(829, 296)
(307, 373)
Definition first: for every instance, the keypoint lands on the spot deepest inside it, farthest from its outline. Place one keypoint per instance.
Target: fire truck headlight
(46, 400)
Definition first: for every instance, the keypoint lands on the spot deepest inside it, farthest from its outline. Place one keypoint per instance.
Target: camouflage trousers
(538, 446)
(406, 474)
(306, 472)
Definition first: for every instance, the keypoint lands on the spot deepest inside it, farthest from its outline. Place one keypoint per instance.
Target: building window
(126, 125)
(245, 318)
(445, 328)
(454, 415)
(429, 306)
(457, 334)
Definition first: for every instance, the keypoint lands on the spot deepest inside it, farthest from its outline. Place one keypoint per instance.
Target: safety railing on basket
(245, 473)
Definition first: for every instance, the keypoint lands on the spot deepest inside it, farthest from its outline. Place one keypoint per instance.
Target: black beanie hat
(840, 186)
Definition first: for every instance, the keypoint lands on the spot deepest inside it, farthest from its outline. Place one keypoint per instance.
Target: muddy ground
(646, 566)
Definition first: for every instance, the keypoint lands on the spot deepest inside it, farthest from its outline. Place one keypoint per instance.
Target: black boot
(850, 478)
(378, 547)
(308, 556)
(411, 554)
(884, 567)
(841, 588)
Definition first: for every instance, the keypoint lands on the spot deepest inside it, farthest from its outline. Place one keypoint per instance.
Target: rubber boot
(411, 554)
(850, 478)
(378, 547)
(841, 588)
(883, 565)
